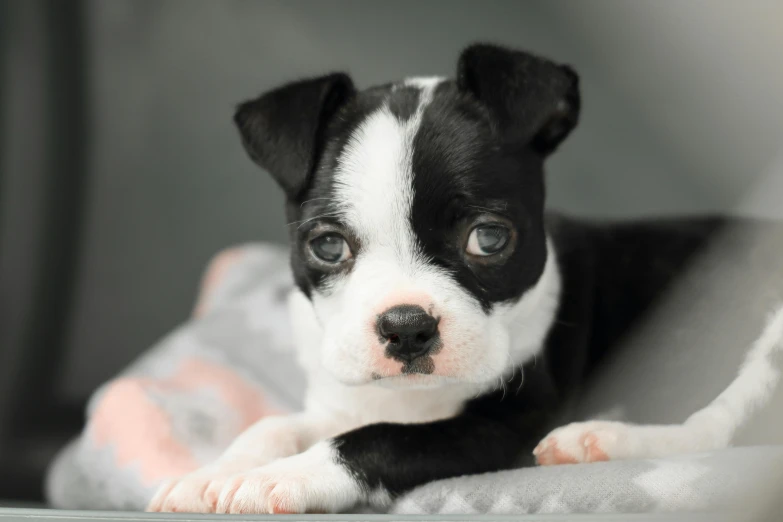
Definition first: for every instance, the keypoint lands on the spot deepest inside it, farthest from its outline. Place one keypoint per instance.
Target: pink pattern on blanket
(141, 431)
(214, 276)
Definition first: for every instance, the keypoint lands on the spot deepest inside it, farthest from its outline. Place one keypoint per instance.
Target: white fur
(710, 428)
(423, 82)
(269, 439)
(529, 319)
(755, 383)
(310, 481)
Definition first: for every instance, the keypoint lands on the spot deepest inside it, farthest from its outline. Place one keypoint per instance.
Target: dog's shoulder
(614, 270)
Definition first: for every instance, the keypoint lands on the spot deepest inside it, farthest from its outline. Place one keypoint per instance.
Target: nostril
(394, 338)
(422, 338)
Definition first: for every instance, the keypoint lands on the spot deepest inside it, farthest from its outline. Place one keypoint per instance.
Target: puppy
(444, 318)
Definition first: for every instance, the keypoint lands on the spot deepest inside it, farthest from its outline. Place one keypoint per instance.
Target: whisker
(311, 200)
(305, 221)
(480, 208)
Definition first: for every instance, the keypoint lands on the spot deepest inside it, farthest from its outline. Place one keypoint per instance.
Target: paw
(197, 492)
(579, 442)
(311, 482)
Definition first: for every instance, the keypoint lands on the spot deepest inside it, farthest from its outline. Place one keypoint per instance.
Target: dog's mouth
(411, 380)
(423, 366)
(420, 366)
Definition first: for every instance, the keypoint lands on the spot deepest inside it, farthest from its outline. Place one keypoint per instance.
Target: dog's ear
(282, 130)
(533, 101)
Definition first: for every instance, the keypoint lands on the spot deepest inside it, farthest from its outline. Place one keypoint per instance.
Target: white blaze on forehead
(423, 82)
(374, 178)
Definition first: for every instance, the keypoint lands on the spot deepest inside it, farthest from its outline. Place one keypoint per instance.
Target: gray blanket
(182, 403)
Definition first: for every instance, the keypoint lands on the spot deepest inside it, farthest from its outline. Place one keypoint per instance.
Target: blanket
(188, 397)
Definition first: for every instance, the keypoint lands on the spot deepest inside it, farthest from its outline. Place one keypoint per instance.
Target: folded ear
(532, 100)
(283, 129)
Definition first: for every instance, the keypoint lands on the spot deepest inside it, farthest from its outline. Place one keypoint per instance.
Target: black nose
(410, 331)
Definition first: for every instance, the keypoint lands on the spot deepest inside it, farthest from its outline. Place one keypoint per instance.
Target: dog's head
(416, 213)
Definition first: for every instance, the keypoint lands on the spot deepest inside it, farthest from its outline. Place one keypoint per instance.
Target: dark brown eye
(486, 240)
(330, 248)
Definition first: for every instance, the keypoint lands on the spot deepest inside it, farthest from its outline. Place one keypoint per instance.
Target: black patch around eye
(459, 161)
(309, 272)
(318, 199)
(326, 253)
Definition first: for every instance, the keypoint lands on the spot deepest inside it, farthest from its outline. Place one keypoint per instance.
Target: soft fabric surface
(185, 400)
(717, 481)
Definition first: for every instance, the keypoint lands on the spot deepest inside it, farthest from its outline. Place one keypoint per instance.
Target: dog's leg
(710, 428)
(269, 439)
(377, 462)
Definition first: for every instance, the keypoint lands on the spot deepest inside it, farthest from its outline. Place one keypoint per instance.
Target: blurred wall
(705, 77)
(682, 111)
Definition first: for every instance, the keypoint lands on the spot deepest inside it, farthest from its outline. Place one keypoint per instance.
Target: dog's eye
(486, 240)
(330, 248)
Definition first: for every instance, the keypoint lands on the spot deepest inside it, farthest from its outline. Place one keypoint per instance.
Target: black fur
(478, 154)
(283, 130)
(534, 101)
(460, 172)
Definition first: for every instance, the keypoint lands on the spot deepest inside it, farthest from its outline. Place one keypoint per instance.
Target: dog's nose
(410, 330)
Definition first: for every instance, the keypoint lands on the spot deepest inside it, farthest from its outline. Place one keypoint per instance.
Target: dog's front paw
(196, 492)
(578, 442)
(311, 482)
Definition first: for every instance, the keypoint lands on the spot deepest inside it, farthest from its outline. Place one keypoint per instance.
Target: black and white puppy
(444, 318)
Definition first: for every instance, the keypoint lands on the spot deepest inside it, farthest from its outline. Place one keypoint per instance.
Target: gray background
(683, 112)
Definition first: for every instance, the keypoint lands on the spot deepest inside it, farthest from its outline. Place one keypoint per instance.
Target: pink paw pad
(279, 508)
(548, 453)
(567, 447)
